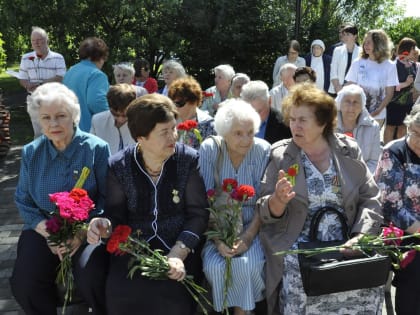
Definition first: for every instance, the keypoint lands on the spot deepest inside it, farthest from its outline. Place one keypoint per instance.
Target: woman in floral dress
(329, 172)
(398, 176)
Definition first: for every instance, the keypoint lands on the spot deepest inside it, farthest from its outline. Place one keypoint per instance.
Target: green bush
(2, 55)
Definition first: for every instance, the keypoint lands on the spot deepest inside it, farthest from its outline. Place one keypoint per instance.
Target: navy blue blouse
(172, 209)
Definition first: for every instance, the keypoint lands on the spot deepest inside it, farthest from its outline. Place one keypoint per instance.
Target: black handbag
(333, 272)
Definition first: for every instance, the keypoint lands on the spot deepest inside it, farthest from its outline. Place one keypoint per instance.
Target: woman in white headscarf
(320, 63)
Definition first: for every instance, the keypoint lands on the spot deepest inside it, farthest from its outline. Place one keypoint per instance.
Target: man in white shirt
(40, 66)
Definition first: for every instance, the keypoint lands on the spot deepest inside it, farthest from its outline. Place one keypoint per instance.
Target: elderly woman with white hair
(53, 163)
(354, 120)
(398, 176)
(216, 94)
(238, 81)
(171, 71)
(124, 73)
(236, 153)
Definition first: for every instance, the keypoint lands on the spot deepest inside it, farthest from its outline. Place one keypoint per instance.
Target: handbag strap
(219, 161)
(316, 219)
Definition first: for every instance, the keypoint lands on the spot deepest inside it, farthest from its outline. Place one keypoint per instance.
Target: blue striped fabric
(247, 269)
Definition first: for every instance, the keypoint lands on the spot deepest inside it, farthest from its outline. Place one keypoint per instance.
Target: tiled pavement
(10, 227)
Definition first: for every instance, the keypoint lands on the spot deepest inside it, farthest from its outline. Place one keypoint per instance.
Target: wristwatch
(183, 246)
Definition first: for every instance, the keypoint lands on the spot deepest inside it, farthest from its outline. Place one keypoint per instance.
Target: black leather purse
(333, 272)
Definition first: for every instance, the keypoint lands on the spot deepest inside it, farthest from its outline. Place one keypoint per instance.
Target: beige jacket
(360, 201)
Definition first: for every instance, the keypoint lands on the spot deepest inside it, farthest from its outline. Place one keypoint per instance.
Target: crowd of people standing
(323, 117)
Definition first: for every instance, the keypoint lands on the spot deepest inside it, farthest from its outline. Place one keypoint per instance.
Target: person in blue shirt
(53, 163)
(87, 80)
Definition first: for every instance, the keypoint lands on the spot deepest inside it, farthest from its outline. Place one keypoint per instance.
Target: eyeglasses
(180, 103)
(292, 53)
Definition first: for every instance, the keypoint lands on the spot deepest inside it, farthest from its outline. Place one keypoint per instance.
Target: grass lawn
(21, 131)
(14, 99)
(9, 84)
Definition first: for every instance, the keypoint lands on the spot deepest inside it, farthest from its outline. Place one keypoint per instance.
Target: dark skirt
(141, 295)
(396, 113)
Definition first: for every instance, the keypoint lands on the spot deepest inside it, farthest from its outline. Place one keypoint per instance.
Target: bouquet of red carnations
(188, 132)
(150, 263)
(67, 223)
(226, 219)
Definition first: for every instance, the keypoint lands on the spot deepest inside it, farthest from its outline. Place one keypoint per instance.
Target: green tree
(2, 55)
(249, 35)
(406, 27)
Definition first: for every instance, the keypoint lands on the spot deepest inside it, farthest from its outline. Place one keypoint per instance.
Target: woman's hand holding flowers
(72, 246)
(177, 269)
(223, 249)
(282, 195)
(41, 228)
(350, 243)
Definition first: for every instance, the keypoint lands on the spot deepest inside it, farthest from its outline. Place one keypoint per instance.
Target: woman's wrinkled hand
(41, 228)
(224, 250)
(284, 189)
(283, 193)
(349, 251)
(240, 246)
(98, 228)
(177, 269)
(70, 247)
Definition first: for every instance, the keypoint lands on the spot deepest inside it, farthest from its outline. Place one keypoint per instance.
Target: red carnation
(53, 225)
(211, 193)
(408, 257)
(229, 184)
(392, 232)
(244, 192)
(191, 124)
(292, 171)
(208, 94)
(78, 193)
(404, 54)
(31, 58)
(182, 126)
(187, 125)
(119, 235)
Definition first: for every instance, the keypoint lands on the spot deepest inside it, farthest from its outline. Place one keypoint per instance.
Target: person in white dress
(375, 73)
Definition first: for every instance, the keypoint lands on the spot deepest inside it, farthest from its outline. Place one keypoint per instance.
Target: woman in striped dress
(237, 154)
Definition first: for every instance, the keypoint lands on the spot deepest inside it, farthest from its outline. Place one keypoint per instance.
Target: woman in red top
(142, 68)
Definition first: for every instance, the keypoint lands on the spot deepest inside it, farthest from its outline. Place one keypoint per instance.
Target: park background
(249, 35)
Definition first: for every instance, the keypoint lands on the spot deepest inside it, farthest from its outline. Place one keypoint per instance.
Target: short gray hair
(240, 78)
(175, 66)
(285, 67)
(255, 90)
(50, 93)
(41, 31)
(125, 67)
(234, 110)
(352, 89)
(226, 71)
(414, 117)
